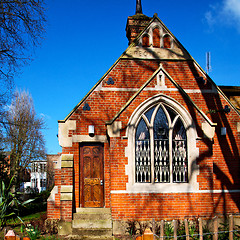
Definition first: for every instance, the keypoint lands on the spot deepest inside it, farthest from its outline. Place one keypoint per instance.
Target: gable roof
(181, 54)
(176, 53)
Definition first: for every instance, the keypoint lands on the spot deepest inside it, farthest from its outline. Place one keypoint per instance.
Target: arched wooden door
(92, 175)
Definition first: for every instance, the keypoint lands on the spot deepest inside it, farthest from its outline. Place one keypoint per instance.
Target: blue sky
(84, 38)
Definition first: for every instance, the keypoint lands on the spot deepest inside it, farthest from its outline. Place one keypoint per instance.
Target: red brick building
(155, 138)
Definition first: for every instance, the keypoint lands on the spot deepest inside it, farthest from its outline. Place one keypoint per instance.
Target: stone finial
(139, 7)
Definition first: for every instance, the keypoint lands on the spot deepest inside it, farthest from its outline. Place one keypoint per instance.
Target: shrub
(32, 232)
(40, 223)
(132, 227)
(51, 226)
(142, 227)
(33, 207)
(168, 229)
(9, 203)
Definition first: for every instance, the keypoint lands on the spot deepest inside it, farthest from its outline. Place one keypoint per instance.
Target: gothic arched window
(161, 147)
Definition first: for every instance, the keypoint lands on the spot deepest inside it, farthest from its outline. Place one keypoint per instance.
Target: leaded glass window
(179, 153)
(161, 147)
(143, 162)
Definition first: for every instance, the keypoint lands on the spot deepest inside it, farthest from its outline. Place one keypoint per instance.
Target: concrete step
(90, 223)
(93, 210)
(77, 237)
(89, 217)
(92, 232)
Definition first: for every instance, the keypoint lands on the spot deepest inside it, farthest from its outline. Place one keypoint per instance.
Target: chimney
(136, 23)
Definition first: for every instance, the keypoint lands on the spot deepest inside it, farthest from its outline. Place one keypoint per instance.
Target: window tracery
(159, 159)
(161, 147)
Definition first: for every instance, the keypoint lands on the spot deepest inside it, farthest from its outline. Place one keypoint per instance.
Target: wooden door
(92, 175)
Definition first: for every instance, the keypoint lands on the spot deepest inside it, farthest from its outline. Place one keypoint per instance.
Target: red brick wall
(66, 211)
(218, 160)
(169, 206)
(53, 207)
(61, 208)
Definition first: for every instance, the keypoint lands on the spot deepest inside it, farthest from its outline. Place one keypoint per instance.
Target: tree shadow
(209, 171)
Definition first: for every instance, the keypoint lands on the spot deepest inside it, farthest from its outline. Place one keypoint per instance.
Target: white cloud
(226, 13)
(231, 9)
(209, 18)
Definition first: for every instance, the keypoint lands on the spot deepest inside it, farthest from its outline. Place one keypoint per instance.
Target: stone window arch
(145, 40)
(159, 159)
(167, 41)
(161, 147)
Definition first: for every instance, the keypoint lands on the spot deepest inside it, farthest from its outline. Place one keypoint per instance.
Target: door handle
(101, 182)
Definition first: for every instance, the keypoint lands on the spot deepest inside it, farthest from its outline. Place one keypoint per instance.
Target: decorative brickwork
(135, 25)
(140, 82)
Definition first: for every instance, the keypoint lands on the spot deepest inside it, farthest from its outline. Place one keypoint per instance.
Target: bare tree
(23, 133)
(22, 24)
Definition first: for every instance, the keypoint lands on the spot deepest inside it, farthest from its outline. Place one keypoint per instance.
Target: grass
(26, 219)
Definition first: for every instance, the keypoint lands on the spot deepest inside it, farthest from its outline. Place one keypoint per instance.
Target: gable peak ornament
(139, 7)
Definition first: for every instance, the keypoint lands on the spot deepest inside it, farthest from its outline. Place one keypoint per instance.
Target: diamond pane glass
(160, 127)
(149, 113)
(179, 132)
(161, 148)
(161, 161)
(179, 153)
(142, 154)
(172, 114)
(142, 132)
(170, 163)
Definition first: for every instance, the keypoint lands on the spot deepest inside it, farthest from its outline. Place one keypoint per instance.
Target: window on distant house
(161, 147)
(34, 183)
(35, 167)
(43, 183)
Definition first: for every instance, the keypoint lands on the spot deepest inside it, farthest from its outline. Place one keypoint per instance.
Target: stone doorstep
(88, 216)
(77, 237)
(93, 211)
(89, 223)
(92, 232)
(92, 224)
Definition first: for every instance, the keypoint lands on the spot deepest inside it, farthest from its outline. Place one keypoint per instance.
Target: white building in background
(39, 175)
